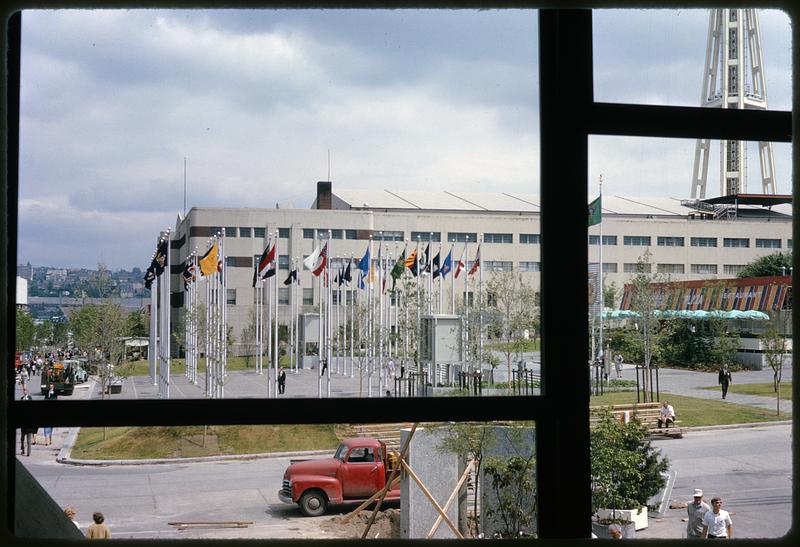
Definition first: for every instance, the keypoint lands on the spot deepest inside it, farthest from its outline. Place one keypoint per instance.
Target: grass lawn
(692, 411)
(764, 390)
(187, 441)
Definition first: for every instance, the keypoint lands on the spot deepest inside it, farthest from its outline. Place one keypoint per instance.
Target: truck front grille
(287, 488)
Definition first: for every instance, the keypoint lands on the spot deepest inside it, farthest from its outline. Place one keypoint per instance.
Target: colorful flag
(411, 262)
(188, 273)
(149, 277)
(267, 258)
(462, 263)
(361, 280)
(436, 265)
(363, 264)
(477, 263)
(425, 259)
(316, 260)
(398, 269)
(291, 278)
(208, 262)
(446, 265)
(160, 258)
(595, 212)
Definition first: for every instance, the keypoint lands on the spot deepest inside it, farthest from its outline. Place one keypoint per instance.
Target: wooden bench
(647, 413)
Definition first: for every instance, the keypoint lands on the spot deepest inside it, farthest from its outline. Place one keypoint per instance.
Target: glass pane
(112, 107)
(659, 57)
(254, 474)
(672, 313)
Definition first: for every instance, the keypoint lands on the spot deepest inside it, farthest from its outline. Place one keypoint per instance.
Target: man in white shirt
(667, 415)
(717, 523)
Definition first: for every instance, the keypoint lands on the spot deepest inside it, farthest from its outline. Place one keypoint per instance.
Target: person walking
(618, 364)
(26, 434)
(717, 523)
(98, 529)
(48, 431)
(695, 511)
(282, 381)
(725, 378)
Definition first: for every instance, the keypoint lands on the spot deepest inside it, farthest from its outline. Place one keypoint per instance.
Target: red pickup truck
(360, 467)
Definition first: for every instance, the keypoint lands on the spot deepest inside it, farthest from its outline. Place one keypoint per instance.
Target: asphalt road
(749, 467)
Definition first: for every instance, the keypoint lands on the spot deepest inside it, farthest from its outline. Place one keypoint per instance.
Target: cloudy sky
(257, 101)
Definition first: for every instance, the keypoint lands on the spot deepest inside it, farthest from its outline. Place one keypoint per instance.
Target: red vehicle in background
(359, 468)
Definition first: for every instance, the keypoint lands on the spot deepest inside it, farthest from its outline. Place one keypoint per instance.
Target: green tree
(774, 264)
(99, 329)
(513, 483)
(136, 323)
(100, 283)
(511, 308)
(626, 469)
(645, 301)
(610, 293)
(774, 341)
(25, 330)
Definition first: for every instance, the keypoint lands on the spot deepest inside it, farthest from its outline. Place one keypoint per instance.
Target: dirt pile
(386, 525)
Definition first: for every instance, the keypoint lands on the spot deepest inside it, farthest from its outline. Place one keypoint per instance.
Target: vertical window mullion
(565, 76)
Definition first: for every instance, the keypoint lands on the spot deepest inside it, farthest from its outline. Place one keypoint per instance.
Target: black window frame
(568, 116)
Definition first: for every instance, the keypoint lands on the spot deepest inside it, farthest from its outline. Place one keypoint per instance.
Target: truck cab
(359, 468)
(61, 375)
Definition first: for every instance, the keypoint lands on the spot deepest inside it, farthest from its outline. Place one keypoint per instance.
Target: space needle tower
(733, 78)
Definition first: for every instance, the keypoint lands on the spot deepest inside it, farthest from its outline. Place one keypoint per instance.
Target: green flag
(399, 268)
(595, 212)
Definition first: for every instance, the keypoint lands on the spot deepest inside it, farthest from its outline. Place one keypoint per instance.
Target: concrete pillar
(439, 471)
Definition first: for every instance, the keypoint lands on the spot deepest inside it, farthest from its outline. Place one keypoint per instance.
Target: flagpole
(224, 329)
(466, 302)
(275, 304)
(329, 314)
(602, 283)
(480, 305)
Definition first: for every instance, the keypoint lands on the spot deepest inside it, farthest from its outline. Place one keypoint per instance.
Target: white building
(700, 241)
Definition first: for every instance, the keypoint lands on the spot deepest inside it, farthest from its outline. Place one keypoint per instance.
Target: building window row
(426, 236)
(498, 238)
(669, 241)
(640, 241)
(704, 242)
(671, 268)
(607, 240)
(704, 269)
(530, 239)
(736, 242)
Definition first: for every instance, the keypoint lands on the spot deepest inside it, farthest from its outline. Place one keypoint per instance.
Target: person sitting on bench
(667, 415)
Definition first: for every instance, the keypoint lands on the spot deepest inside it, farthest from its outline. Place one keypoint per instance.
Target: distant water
(66, 301)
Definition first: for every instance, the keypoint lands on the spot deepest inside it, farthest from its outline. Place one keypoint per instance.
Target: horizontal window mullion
(128, 412)
(636, 120)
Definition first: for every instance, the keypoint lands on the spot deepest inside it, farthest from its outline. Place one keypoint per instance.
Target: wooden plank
(431, 499)
(464, 476)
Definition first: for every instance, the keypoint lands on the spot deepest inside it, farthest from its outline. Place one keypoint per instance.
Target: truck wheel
(313, 503)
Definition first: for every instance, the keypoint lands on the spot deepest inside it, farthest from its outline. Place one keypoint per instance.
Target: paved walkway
(692, 384)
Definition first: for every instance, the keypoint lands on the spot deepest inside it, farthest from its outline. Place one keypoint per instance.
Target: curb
(64, 454)
(66, 450)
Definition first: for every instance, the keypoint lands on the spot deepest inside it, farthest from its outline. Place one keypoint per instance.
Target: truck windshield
(341, 452)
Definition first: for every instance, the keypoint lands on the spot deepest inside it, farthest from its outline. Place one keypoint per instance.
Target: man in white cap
(696, 510)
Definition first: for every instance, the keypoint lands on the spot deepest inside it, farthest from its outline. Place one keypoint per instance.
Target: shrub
(626, 469)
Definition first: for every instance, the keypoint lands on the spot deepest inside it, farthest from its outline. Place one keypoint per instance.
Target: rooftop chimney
(324, 195)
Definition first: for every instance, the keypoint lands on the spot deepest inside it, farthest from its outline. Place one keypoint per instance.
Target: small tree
(610, 292)
(626, 469)
(512, 311)
(514, 485)
(645, 302)
(470, 440)
(25, 330)
(775, 352)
